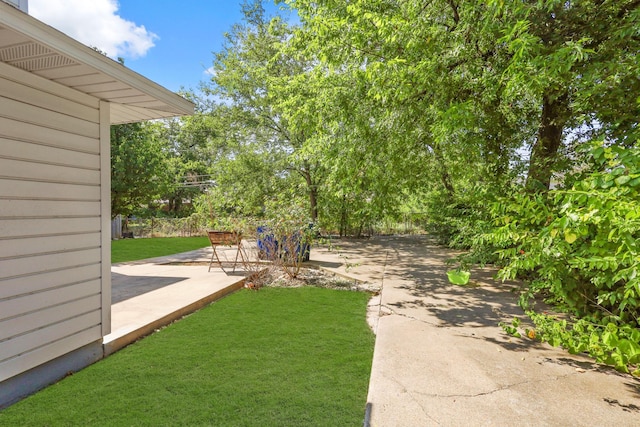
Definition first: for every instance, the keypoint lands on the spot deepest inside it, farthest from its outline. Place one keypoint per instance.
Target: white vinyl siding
(51, 248)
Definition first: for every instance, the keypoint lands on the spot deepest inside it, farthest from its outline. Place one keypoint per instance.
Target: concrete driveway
(441, 359)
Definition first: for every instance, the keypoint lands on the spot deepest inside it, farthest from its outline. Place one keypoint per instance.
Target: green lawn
(135, 249)
(274, 357)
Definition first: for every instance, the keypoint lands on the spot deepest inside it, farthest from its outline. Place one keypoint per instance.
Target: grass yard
(135, 249)
(274, 357)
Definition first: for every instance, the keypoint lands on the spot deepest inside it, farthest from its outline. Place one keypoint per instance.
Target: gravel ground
(316, 277)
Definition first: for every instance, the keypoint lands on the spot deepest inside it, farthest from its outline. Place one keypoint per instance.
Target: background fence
(410, 223)
(157, 227)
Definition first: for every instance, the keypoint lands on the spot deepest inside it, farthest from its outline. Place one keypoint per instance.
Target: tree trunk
(555, 112)
(343, 217)
(313, 194)
(495, 153)
(313, 202)
(444, 173)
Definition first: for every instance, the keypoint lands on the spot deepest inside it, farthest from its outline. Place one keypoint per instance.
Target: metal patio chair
(225, 238)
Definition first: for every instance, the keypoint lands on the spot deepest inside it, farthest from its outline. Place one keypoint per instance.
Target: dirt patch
(320, 278)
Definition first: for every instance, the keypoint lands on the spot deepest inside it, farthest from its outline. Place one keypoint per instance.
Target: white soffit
(33, 46)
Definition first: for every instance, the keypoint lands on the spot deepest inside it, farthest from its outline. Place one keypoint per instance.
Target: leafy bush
(284, 230)
(287, 234)
(578, 246)
(461, 223)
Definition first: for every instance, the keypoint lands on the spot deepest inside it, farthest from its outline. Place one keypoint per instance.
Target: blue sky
(169, 41)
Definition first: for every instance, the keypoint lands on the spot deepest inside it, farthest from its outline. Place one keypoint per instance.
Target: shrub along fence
(410, 223)
(407, 223)
(164, 227)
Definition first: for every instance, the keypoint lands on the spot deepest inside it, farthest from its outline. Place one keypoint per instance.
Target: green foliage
(258, 79)
(581, 242)
(512, 328)
(609, 343)
(288, 233)
(458, 277)
(578, 245)
(457, 221)
(193, 145)
(138, 172)
(408, 95)
(411, 94)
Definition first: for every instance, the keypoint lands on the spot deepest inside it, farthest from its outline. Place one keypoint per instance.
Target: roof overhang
(33, 46)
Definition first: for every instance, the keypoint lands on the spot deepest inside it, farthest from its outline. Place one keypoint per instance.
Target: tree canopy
(512, 126)
(138, 167)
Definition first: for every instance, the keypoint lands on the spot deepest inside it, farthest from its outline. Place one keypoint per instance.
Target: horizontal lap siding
(17, 286)
(23, 247)
(53, 332)
(47, 172)
(41, 263)
(49, 316)
(42, 226)
(50, 224)
(39, 355)
(22, 150)
(14, 189)
(60, 208)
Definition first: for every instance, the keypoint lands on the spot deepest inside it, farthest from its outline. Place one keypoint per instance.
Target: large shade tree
(250, 76)
(474, 81)
(138, 167)
(464, 87)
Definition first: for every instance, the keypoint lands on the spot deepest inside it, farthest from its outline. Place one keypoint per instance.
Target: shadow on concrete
(634, 387)
(630, 407)
(124, 287)
(587, 365)
(590, 365)
(485, 302)
(514, 344)
(324, 264)
(420, 267)
(416, 287)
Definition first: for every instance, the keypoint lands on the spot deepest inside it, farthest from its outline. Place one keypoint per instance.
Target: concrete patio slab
(152, 293)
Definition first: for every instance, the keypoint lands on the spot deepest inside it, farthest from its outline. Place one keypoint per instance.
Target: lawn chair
(225, 238)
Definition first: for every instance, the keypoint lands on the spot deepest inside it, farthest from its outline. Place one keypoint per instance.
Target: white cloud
(95, 23)
(211, 71)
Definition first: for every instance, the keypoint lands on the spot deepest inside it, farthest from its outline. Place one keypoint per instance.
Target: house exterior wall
(54, 256)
